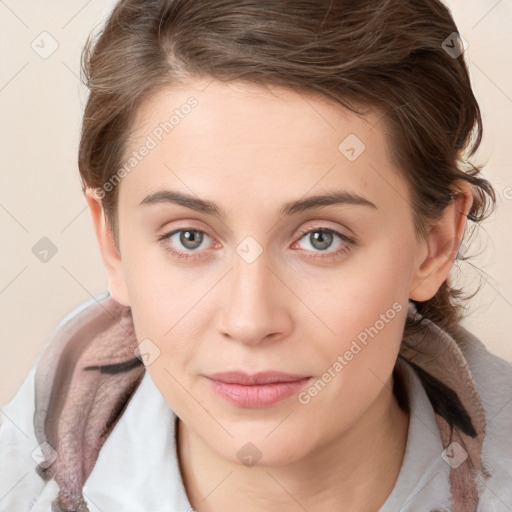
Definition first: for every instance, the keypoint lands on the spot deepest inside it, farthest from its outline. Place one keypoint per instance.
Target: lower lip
(263, 395)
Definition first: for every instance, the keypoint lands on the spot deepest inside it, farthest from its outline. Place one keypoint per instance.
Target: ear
(442, 245)
(109, 253)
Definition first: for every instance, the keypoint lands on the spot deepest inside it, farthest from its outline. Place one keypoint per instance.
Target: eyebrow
(210, 208)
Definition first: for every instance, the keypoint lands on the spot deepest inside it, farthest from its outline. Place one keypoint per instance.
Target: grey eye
(190, 239)
(321, 239)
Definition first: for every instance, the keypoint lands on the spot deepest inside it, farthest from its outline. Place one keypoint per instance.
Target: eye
(188, 238)
(185, 242)
(323, 238)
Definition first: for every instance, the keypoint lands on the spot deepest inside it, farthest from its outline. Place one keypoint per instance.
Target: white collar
(137, 467)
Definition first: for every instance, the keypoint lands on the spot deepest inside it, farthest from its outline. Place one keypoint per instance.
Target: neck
(356, 472)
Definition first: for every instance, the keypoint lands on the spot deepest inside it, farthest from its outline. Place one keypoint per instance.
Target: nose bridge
(253, 304)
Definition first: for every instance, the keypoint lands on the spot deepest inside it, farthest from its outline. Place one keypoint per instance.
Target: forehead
(246, 114)
(270, 141)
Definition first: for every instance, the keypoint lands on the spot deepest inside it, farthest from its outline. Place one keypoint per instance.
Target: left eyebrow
(331, 198)
(290, 208)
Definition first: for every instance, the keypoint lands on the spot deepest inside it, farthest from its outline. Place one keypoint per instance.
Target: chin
(254, 448)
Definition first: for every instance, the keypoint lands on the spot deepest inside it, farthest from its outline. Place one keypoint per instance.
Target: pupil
(323, 237)
(187, 239)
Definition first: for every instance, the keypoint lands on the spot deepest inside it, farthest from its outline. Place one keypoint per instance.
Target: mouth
(247, 379)
(256, 390)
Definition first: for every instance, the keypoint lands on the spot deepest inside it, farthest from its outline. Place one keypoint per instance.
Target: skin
(251, 149)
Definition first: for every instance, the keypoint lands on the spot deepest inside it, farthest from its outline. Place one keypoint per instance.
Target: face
(229, 264)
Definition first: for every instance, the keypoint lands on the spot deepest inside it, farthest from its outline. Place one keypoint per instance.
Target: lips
(269, 377)
(257, 390)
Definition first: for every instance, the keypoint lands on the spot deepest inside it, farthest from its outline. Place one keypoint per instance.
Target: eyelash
(331, 256)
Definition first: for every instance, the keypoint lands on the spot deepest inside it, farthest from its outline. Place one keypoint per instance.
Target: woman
(279, 191)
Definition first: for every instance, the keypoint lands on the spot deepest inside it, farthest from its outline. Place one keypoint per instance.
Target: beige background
(41, 101)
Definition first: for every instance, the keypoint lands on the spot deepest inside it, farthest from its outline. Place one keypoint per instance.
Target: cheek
(374, 284)
(172, 353)
(365, 307)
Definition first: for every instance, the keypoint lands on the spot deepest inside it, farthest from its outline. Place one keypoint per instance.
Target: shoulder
(493, 378)
(29, 458)
(492, 375)
(20, 453)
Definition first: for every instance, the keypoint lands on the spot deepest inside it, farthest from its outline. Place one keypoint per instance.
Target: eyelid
(173, 231)
(319, 225)
(322, 226)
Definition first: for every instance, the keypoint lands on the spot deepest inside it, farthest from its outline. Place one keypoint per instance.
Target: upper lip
(256, 378)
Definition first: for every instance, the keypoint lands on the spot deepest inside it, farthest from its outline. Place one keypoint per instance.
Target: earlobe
(442, 244)
(109, 252)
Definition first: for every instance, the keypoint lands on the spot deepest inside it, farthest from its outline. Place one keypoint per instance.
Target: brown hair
(401, 57)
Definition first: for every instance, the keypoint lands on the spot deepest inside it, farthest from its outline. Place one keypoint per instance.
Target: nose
(255, 303)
